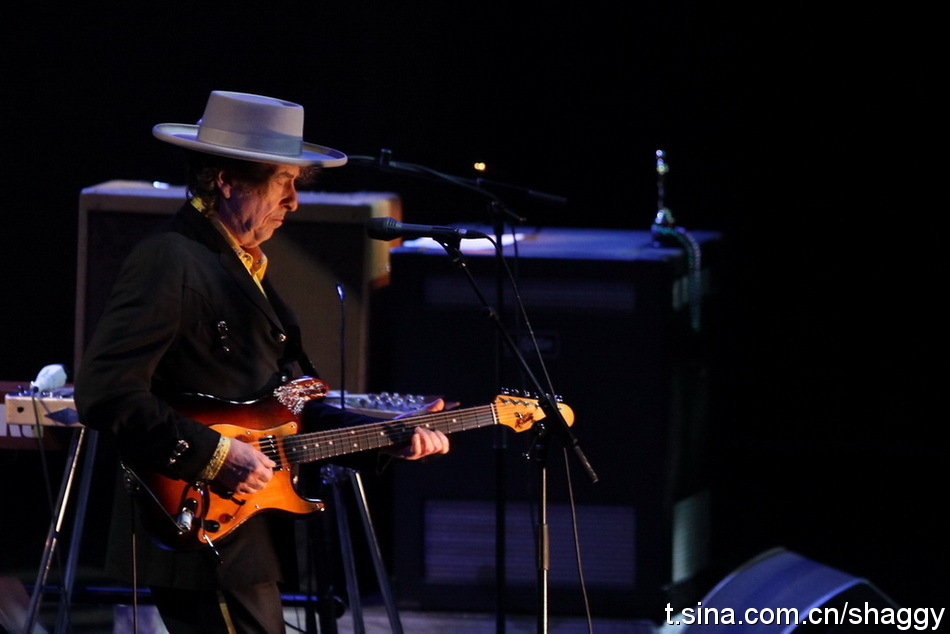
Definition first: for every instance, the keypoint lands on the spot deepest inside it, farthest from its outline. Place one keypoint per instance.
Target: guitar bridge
(226, 494)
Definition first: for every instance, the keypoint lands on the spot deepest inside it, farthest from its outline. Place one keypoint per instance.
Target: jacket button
(281, 337)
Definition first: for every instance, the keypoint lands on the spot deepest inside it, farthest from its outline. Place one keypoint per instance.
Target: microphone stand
(498, 213)
(542, 429)
(481, 186)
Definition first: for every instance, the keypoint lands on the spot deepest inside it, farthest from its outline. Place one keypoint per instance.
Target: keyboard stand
(82, 438)
(335, 476)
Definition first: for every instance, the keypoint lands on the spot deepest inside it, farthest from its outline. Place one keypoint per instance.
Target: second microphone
(391, 229)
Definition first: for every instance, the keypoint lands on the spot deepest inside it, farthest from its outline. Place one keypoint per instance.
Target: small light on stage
(479, 166)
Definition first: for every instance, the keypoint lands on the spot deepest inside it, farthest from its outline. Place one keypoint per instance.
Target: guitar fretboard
(302, 448)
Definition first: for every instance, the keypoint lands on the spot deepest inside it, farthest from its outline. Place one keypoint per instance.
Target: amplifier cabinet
(618, 336)
(319, 254)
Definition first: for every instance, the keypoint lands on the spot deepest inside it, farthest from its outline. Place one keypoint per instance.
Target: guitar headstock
(521, 413)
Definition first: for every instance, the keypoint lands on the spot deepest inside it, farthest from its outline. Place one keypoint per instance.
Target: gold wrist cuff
(210, 472)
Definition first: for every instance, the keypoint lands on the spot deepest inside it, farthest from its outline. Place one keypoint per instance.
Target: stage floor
(118, 620)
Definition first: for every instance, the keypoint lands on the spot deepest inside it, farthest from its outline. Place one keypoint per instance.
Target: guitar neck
(310, 447)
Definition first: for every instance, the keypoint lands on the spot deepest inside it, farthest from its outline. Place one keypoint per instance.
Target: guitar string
(335, 442)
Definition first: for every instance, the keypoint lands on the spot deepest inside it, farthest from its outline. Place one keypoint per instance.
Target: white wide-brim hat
(253, 128)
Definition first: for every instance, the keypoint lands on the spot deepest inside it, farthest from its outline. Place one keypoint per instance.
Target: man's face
(253, 215)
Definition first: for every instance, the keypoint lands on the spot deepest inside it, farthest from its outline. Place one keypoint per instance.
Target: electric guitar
(187, 515)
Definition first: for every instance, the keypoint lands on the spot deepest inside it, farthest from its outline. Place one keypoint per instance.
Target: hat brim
(185, 136)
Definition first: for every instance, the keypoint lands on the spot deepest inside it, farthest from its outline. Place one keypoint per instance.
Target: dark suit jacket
(184, 316)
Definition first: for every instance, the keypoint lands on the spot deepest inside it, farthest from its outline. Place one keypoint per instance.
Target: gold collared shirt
(255, 263)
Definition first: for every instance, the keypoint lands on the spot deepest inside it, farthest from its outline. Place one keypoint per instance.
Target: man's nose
(292, 200)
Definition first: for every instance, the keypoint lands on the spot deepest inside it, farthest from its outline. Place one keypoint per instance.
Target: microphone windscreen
(382, 228)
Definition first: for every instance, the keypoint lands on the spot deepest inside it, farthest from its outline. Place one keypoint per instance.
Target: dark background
(801, 133)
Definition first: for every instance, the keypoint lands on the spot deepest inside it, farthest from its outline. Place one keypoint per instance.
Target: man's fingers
(428, 441)
(246, 469)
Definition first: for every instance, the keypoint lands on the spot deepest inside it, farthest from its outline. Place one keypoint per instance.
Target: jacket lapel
(206, 233)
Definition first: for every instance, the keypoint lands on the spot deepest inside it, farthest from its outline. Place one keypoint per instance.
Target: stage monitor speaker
(612, 316)
(321, 250)
(779, 591)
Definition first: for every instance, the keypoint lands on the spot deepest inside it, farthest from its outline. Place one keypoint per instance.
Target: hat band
(281, 145)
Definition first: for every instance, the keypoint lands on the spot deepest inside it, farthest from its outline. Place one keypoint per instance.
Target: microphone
(390, 229)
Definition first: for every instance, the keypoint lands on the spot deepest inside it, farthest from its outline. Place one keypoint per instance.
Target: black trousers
(252, 610)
